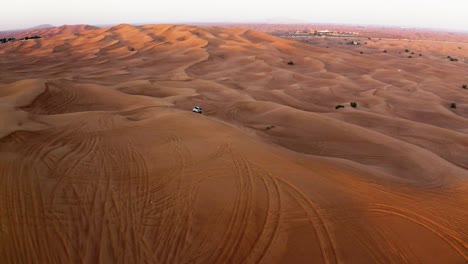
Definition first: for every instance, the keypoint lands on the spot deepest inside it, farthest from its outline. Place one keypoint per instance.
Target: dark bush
(465, 86)
(406, 50)
(339, 106)
(353, 104)
(291, 63)
(410, 57)
(361, 52)
(453, 59)
(453, 105)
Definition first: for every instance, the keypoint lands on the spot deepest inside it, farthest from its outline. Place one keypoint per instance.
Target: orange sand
(102, 160)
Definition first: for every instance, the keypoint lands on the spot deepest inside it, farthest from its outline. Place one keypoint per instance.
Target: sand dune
(102, 160)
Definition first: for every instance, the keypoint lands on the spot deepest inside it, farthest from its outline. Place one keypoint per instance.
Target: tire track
(54, 100)
(271, 210)
(243, 205)
(176, 218)
(445, 234)
(231, 239)
(326, 241)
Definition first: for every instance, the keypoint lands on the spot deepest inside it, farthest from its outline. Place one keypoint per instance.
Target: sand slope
(101, 159)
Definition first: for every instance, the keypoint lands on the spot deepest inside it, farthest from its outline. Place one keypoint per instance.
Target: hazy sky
(445, 14)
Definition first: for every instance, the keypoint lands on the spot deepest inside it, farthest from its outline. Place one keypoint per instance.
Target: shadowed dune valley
(304, 151)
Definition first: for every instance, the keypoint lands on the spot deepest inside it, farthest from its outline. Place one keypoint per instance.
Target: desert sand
(102, 160)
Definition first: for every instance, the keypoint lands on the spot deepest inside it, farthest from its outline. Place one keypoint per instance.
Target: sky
(437, 14)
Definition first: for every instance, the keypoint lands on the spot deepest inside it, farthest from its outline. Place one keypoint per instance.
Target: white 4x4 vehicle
(197, 109)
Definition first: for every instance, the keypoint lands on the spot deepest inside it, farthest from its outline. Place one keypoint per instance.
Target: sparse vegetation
(5, 40)
(339, 106)
(361, 52)
(409, 57)
(453, 59)
(353, 104)
(465, 86)
(453, 105)
(33, 37)
(291, 63)
(269, 127)
(385, 51)
(406, 50)
(420, 55)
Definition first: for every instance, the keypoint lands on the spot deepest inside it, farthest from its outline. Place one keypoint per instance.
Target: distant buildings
(322, 32)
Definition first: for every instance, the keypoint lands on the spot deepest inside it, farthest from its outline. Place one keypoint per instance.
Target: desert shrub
(453, 59)
(353, 104)
(410, 57)
(420, 55)
(465, 86)
(339, 106)
(361, 52)
(291, 63)
(453, 105)
(269, 127)
(406, 50)
(412, 52)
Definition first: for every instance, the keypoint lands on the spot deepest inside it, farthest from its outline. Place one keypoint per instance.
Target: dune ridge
(101, 159)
